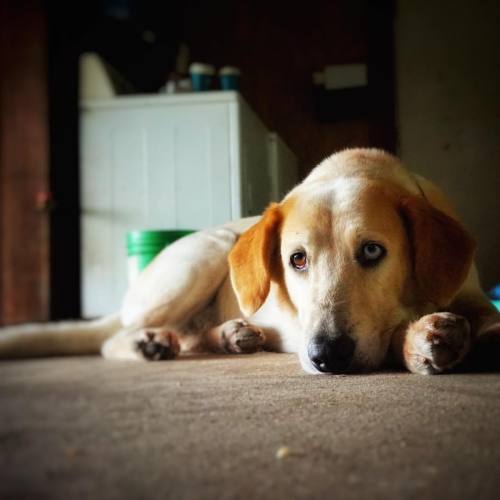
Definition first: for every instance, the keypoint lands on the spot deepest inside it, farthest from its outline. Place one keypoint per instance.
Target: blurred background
(102, 131)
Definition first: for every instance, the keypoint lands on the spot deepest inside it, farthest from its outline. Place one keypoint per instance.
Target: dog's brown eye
(298, 260)
(370, 254)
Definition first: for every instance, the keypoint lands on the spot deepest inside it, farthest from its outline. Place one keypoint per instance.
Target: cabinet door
(188, 165)
(147, 167)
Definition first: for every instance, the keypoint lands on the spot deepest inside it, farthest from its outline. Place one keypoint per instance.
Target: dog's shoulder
(435, 195)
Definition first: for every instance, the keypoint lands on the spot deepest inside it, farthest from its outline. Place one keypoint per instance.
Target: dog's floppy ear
(252, 259)
(442, 250)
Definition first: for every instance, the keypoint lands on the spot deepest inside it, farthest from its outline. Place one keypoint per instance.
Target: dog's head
(353, 259)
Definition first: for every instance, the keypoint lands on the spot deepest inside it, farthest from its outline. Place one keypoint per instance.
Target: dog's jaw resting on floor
(361, 263)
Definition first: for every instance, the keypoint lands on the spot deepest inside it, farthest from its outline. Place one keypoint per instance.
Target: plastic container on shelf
(229, 78)
(201, 76)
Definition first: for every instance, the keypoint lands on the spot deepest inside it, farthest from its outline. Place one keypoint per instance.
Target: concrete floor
(210, 428)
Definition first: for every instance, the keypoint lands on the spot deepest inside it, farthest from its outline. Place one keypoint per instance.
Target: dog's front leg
(434, 344)
(151, 344)
(236, 336)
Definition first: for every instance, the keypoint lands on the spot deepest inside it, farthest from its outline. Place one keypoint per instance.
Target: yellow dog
(361, 262)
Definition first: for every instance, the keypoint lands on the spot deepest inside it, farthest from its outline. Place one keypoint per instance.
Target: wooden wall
(278, 46)
(24, 157)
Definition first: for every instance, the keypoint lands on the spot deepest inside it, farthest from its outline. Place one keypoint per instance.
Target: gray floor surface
(210, 427)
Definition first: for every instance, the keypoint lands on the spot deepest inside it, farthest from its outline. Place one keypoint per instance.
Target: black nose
(331, 353)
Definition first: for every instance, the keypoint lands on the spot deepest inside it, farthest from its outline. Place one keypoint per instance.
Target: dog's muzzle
(331, 353)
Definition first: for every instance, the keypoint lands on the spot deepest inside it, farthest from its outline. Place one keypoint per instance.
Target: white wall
(448, 84)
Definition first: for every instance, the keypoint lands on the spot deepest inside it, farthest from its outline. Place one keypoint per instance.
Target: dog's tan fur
(422, 304)
(366, 196)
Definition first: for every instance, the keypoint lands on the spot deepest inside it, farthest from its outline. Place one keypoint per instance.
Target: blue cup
(201, 82)
(229, 78)
(201, 76)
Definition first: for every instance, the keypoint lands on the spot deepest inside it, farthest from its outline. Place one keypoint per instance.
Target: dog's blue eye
(298, 260)
(370, 254)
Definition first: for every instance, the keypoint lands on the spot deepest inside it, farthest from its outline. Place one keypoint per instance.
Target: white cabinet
(154, 162)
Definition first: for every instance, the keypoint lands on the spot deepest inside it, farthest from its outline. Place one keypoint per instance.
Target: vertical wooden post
(24, 157)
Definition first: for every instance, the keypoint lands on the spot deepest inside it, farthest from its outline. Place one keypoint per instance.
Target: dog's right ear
(252, 259)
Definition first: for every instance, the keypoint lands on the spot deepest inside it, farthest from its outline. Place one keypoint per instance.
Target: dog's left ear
(252, 259)
(442, 250)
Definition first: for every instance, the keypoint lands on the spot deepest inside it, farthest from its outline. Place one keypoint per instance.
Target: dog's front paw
(157, 344)
(240, 337)
(436, 343)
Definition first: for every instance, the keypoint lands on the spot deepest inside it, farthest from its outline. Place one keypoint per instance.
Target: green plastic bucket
(144, 246)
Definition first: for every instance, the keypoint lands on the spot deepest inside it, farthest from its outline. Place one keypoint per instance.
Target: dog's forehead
(344, 202)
